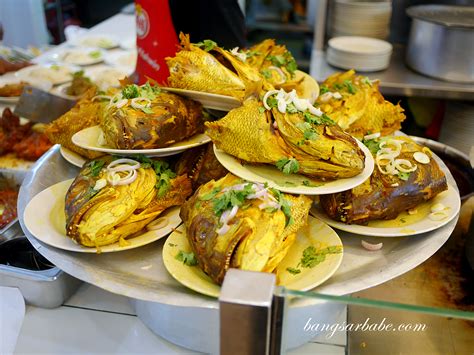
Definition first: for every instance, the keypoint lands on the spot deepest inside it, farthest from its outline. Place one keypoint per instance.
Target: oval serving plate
(44, 217)
(293, 183)
(405, 224)
(315, 233)
(88, 138)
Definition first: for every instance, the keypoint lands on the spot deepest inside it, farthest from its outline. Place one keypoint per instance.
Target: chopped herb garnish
(188, 259)
(96, 166)
(323, 89)
(312, 256)
(310, 184)
(272, 102)
(163, 173)
(210, 195)
(372, 144)
(313, 119)
(285, 205)
(207, 45)
(277, 60)
(367, 81)
(350, 87)
(338, 86)
(267, 74)
(251, 54)
(130, 91)
(293, 270)
(288, 166)
(290, 108)
(403, 176)
(232, 198)
(261, 109)
(284, 60)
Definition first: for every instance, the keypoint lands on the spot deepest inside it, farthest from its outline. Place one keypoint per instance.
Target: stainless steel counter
(398, 79)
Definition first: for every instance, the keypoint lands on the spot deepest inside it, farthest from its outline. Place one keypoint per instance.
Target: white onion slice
(372, 136)
(280, 73)
(337, 95)
(223, 230)
(301, 104)
(233, 212)
(405, 166)
(269, 204)
(100, 184)
(315, 111)
(412, 211)
(158, 223)
(421, 158)
(370, 246)
(123, 164)
(121, 103)
(115, 179)
(266, 96)
(326, 97)
(140, 103)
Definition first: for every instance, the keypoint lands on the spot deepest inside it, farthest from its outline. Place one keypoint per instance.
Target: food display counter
(131, 301)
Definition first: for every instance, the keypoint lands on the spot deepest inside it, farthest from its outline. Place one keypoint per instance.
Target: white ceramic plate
(293, 183)
(315, 234)
(89, 139)
(72, 157)
(79, 56)
(122, 59)
(98, 41)
(208, 100)
(45, 218)
(360, 45)
(105, 77)
(404, 224)
(54, 73)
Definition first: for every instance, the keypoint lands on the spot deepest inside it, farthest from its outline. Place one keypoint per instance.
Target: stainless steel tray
(46, 288)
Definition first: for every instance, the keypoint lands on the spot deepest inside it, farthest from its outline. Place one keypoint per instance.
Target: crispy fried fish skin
(376, 198)
(173, 119)
(195, 69)
(98, 218)
(257, 239)
(248, 134)
(86, 113)
(362, 111)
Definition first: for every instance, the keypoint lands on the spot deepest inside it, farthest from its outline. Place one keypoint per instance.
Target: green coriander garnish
(372, 144)
(261, 109)
(251, 54)
(96, 166)
(293, 270)
(188, 259)
(210, 195)
(367, 81)
(207, 45)
(130, 91)
(323, 89)
(267, 74)
(313, 119)
(232, 198)
(95, 54)
(350, 87)
(163, 173)
(312, 256)
(288, 166)
(285, 205)
(403, 176)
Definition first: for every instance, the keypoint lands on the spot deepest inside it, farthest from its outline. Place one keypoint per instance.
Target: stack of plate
(361, 18)
(359, 53)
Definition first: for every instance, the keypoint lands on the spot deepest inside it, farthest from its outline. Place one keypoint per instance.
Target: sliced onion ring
(266, 96)
(372, 136)
(125, 180)
(370, 246)
(132, 164)
(438, 216)
(421, 158)
(158, 223)
(280, 73)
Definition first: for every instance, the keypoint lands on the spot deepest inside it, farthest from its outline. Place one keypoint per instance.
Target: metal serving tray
(47, 288)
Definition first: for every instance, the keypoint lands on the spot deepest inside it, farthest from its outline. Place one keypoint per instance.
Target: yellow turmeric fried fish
(356, 104)
(295, 140)
(252, 231)
(105, 204)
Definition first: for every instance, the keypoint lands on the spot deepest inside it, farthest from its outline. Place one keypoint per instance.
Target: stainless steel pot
(441, 42)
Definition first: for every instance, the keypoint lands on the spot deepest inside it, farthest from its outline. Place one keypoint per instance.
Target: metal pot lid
(450, 16)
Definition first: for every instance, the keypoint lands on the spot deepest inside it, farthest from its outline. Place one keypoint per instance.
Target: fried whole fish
(99, 213)
(315, 145)
(384, 195)
(356, 104)
(254, 233)
(86, 113)
(143, 117)
(194, 68)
